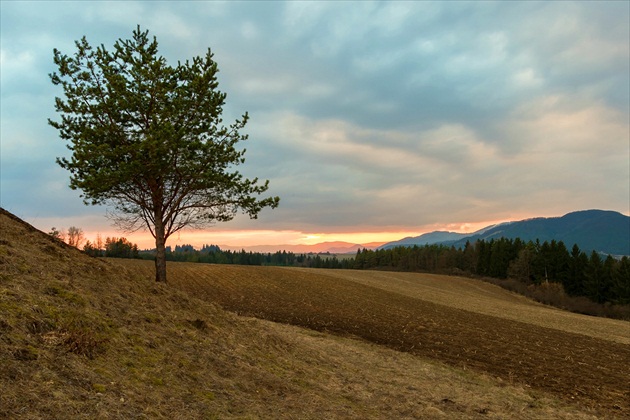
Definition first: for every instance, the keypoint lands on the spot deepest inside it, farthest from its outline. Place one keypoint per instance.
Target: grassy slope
(88, 338)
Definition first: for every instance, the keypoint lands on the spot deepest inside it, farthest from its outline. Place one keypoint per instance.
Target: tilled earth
(591, 372)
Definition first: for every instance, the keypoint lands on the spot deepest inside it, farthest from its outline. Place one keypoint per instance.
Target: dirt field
(476, 296)
(466, 324)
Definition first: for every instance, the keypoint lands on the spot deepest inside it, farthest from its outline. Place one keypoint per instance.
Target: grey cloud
(443, 110)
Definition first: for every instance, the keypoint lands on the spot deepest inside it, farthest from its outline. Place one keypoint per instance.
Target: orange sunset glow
(278, 240)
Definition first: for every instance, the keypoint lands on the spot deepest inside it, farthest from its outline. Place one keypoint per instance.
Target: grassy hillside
(89, 338)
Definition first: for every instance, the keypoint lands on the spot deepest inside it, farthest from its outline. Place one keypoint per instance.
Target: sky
(372, 121)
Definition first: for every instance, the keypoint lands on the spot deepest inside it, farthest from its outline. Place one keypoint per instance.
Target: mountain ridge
(603, 231)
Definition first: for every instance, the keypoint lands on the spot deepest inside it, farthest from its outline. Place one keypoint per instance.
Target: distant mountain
(337, 247)
(426, 239)
(592, 230)
(437, 237)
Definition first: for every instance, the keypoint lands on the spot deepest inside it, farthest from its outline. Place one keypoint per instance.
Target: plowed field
(462, 322)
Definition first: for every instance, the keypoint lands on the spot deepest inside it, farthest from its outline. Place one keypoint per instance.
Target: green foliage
(212, 254)
(148, 139)
(120, 248)
(620, 282)
(92, 249)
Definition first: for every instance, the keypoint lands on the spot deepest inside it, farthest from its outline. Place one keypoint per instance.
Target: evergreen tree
(148, 139)
(620, 288)
(120, 248)
(559, 262)
(91, 249)
(575, 280)
(593, 279)
(607, 282)
(483, 257)
(469, 258)
(501, 253)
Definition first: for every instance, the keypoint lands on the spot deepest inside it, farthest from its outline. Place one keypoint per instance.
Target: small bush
(26, 354)
(39, 326)
(59, 291)
(549, 294)
(84, 343)
(100, 388)
(199, 324)
(5, 326)
(553, 294)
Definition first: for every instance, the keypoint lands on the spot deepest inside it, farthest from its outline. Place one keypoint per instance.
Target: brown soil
(589, 371)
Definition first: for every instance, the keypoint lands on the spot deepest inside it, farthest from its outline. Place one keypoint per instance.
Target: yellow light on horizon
(250, 238)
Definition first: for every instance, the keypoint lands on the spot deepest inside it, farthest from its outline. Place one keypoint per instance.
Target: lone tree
(147, 139)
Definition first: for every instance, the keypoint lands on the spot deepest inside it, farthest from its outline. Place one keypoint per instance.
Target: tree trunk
(160, 253)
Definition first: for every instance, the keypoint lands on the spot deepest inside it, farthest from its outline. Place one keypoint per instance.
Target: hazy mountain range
(592, 230)
(598, 230)
(337, 247)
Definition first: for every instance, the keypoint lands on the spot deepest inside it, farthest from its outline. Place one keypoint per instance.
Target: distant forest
(602, 279)
(547, 271)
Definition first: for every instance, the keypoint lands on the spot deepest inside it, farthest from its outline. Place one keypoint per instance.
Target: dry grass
(88, 338)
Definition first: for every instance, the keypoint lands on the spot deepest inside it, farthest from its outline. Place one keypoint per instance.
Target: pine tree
(147, 139)
(575, 280)
(620, 290)
(593, 280)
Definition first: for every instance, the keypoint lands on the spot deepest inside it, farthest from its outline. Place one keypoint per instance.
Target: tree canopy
(148, 139)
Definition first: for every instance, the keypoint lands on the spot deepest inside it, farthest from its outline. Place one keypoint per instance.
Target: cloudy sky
(372, 120)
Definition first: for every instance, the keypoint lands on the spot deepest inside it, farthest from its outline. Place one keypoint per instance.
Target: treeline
(112, 247)
(600, 279)
(212, 254)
